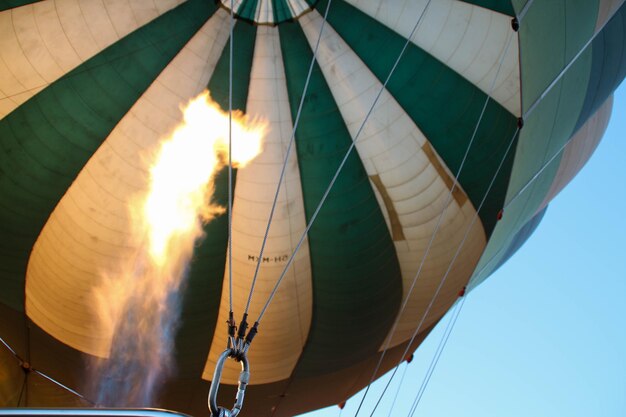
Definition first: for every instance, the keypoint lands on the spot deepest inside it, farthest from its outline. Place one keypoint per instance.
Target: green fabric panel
(203, 291)
(518, 5)
(521, 237)
(281, 11)
(502, 6)
(45, 142)
(609, 64)
(206, 274)
(11, 4)
(357, 286)
(247, 9)
(550, 35)
(444, 105)
(545, 131)
(244, 35)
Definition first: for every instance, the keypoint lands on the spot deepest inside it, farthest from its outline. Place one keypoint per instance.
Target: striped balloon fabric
(467, 118)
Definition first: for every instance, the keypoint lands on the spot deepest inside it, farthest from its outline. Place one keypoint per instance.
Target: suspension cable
(288, 152)
(435, 360)
(341, 165)
(534, 105)
(537, 174)
(435, 231)
(22, 391)
(28, 368)
(448, 270)
(395, 397)
(231, 319)
(533, 178)
(65, 387)
(6, 345)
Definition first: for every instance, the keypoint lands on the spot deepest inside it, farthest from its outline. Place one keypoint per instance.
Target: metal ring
(244, 378)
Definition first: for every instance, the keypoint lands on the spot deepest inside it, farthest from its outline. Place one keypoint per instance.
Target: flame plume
(139, 309)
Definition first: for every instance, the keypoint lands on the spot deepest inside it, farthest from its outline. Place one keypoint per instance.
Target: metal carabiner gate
(244, 378)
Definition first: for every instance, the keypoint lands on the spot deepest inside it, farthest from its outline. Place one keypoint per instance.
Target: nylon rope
(284, 167)
(341, 165)
(433, 235)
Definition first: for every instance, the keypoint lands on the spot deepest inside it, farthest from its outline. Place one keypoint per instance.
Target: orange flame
(135, 307)
(182, 177)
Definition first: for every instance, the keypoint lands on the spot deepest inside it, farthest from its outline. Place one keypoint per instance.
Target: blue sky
(545, 334)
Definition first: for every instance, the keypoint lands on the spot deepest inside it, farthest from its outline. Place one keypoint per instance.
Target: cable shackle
(244, 378)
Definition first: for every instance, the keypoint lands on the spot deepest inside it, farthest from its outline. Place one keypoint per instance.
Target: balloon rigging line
(536, 103)
(19, 400)
(62, 386)
(38, 372)
(454, 258)
(442, 342)
(435, 360)
(541, 97)
(449, 269)
(9, 348)
(230, 162)
(537, 174)
(549, 161)
(432, 239)
(395, 397)
(524, 10)
(341, 165)
(284, 167)
(563, 71)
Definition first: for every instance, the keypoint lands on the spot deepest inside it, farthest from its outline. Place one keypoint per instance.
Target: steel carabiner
(244, 378)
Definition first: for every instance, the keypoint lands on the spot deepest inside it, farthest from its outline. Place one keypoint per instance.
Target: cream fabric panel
(410, 179)
(579, 149)
(42, 41)
(86, 236)
(467, 38)
(285, 326)
(265, 12)
(606, 10)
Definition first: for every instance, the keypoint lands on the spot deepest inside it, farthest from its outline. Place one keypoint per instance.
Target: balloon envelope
(442, 185)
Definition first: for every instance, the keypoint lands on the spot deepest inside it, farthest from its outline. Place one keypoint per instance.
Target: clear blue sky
(546, 334)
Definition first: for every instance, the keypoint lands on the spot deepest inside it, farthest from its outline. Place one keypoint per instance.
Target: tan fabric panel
(411, 182)
(579, 149)
(606, 10)
(87, 235)
(42, 41)
(469, 39)
(285, 326)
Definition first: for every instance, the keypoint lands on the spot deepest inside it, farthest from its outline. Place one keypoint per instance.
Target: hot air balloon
(467, 118)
